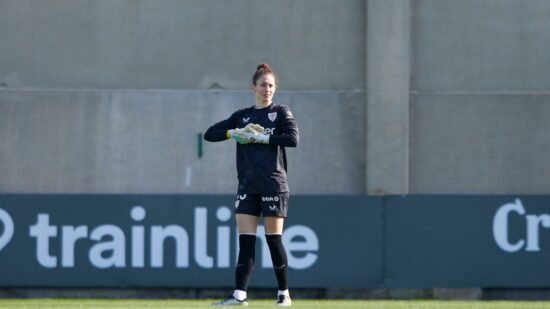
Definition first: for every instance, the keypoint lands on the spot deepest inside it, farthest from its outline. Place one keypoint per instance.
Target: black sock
(245, 262)
(279, 259)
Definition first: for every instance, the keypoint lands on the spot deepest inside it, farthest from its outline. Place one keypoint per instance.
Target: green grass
(298, 303)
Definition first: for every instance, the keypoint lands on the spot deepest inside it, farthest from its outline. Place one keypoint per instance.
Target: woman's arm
(290, 135)
(218, 131)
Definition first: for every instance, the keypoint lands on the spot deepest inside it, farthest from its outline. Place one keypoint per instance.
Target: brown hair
(263, 69)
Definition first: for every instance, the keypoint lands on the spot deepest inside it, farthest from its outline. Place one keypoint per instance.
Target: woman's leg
(274, 225)
(246, 226)
(273, 236)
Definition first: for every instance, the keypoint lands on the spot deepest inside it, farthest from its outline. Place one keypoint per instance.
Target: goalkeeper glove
(252, 133)
(236, 135)
(252, 127)
(251, 137)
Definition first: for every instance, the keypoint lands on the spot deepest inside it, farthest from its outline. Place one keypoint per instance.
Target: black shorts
(270, 205)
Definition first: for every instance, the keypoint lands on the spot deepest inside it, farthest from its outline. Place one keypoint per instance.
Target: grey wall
(171, 44)
(480, 143)
(147, 141)
(109, 96)
(391, 96)
(480, 97)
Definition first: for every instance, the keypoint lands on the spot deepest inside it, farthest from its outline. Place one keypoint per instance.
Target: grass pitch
(298, 303)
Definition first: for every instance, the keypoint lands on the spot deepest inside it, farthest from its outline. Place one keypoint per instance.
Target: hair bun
(262, 69)
(263, 66)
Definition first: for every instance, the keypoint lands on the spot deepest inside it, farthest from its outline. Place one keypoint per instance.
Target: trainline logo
(529, 241)
(144, 244)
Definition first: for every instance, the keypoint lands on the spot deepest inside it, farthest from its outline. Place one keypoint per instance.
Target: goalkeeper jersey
(261, 168)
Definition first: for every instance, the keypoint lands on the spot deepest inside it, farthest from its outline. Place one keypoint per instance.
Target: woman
(262, 132)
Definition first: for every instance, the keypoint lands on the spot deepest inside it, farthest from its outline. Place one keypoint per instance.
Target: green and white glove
(236, 134)
(252, 127)
(252, 137)
(252, 133)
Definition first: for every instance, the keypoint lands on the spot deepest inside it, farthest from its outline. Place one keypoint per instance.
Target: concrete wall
(172, 44)
(480, 143)
(480, 97)
(109, 96)
(392, 96)
(147, 141)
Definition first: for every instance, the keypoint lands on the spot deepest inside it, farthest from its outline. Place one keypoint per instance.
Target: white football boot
(231, 301)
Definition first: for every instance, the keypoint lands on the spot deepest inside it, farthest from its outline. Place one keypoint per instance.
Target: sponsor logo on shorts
(239, 198)
(270, 198)
(273, 207)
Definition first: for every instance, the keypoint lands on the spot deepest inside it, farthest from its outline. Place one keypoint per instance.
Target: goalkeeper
(262, 132)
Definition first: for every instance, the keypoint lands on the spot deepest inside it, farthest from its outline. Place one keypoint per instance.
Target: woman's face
(264, 89)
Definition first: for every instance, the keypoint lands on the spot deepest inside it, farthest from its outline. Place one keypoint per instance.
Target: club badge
(272, 116)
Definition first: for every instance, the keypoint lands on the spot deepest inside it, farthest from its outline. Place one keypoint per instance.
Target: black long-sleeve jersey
(261, 168)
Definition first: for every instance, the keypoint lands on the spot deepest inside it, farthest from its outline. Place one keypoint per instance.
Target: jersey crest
(272, 116)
